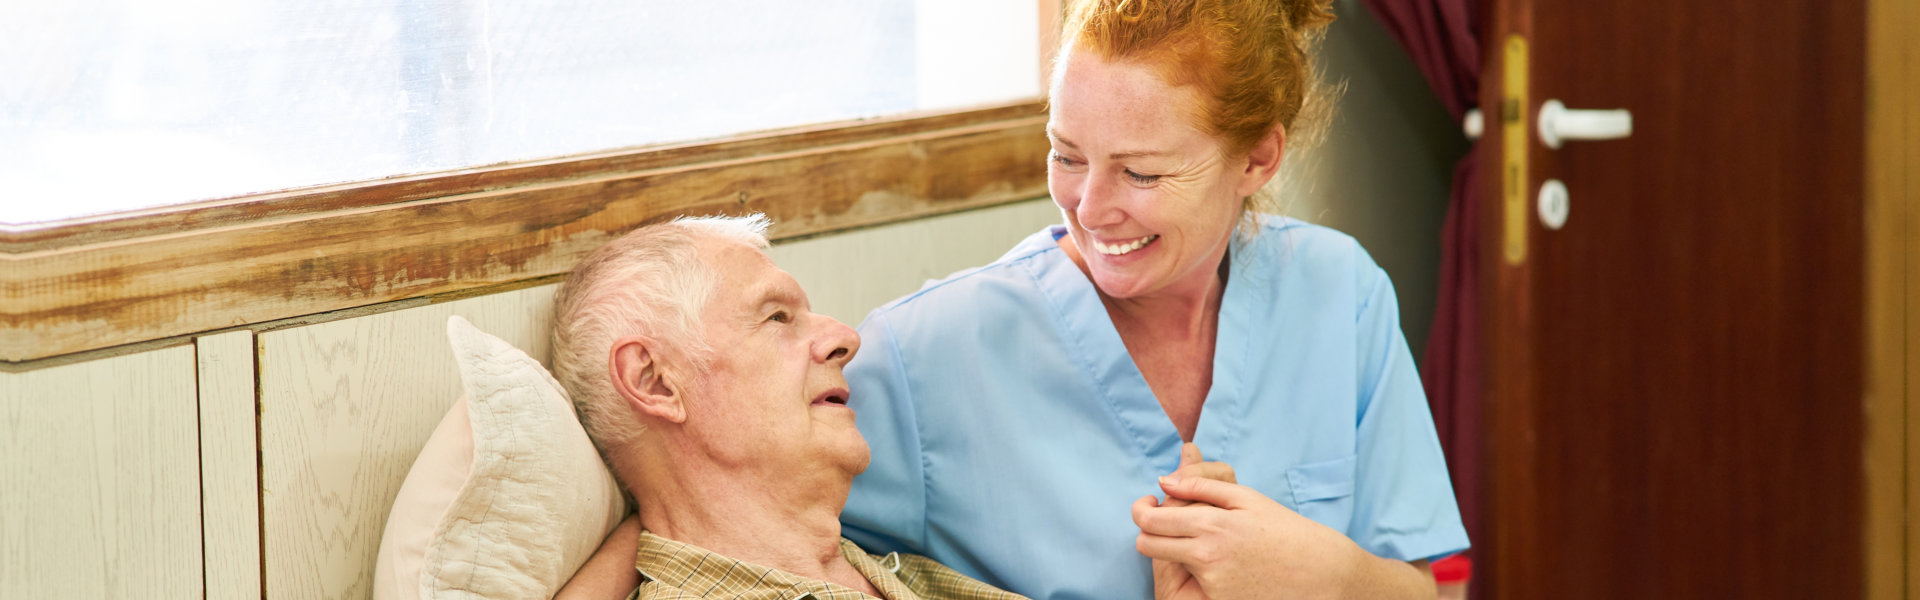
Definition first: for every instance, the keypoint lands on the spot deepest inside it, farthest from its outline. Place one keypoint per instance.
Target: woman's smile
(1124, 247)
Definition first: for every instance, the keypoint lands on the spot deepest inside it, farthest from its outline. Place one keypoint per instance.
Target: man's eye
(1142, 179)
(780, 317)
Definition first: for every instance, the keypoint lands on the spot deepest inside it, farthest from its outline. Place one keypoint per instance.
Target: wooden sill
(99, 282)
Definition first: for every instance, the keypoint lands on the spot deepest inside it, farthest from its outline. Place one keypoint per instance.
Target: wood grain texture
(229, 465)
(112, 290)
(1513, 443)
(344, 409)
(99, 484)
(1893, 309)
(1678, 371)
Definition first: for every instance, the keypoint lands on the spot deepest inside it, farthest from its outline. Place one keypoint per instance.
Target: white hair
(649, 282)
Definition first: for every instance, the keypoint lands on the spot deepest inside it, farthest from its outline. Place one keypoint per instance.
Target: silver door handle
(1559, 123)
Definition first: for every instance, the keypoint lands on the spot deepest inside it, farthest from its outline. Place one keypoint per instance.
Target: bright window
(113, 105)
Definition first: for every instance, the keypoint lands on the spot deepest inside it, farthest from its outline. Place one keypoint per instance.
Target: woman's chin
(1120, 286)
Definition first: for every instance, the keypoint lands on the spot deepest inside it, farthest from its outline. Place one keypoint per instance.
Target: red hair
(1250, 60)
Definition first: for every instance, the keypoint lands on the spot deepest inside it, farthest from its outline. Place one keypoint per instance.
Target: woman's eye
(1142, 179)
(1063, 160)
(780, 317)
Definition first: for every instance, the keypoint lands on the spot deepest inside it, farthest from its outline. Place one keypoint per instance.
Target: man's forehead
(748, 277)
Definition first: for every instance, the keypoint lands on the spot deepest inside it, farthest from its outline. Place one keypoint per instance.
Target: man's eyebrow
(774, 294)
(1115, 156)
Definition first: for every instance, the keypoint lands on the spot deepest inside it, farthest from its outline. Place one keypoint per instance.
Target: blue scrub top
(1011, 431)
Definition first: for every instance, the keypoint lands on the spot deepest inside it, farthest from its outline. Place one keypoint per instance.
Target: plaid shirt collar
(698, 572)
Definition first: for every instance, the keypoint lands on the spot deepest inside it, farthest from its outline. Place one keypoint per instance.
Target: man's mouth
(835, 396)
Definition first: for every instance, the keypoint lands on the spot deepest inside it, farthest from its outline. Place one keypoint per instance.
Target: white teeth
(1119, 249)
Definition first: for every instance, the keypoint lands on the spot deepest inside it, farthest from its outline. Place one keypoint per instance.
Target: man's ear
(639, 377)
(1263, 161)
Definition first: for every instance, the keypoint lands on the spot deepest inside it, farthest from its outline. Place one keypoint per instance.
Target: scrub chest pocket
(1323, 491)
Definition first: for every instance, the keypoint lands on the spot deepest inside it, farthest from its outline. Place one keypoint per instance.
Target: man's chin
(855, 460)
(866, 459)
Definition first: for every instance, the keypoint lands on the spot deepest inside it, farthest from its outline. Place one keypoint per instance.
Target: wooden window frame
(94, 283)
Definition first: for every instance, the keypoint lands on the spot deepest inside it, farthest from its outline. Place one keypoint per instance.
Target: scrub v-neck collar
(1117, 381)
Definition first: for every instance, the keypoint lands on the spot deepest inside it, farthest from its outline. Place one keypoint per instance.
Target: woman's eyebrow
(1055, 136)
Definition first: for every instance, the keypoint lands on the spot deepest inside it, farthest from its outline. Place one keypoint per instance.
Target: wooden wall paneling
(99, 483)
(345, 407)
(229, 465)
(1887, 401)
(1893, 351)
(1893, 315)
(98, 294)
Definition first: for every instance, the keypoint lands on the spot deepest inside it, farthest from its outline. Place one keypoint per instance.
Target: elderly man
(716, 397)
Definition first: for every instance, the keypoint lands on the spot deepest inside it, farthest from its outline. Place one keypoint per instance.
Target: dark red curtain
(1442, 38)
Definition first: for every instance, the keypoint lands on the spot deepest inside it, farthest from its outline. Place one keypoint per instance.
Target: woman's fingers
(1193, 465)
(1211, 491)
(1217, 471)
(1175, 521)
(1177, 550)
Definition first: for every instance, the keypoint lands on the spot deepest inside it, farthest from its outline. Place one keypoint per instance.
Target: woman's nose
(1097, 207)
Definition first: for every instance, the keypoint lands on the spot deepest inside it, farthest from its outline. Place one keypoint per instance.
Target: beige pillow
(508, 498)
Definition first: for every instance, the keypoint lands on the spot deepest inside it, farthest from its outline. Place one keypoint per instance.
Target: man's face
(775, 397)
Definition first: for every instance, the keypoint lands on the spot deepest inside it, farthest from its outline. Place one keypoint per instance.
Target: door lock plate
(1513, 151)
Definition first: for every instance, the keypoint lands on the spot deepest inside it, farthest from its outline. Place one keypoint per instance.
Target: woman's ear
(639, 378)
(1263, 161)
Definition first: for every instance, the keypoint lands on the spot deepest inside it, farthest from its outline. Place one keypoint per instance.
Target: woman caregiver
(1022, 415)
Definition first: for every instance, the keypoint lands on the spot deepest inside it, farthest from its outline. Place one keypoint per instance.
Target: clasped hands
(1214, 538)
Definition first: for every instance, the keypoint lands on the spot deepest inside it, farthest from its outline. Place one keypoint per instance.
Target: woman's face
(1149, 198)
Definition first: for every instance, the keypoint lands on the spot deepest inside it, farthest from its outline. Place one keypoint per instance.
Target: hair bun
(1307, 17)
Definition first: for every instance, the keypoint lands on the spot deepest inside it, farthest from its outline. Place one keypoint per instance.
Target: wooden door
(1675, 375)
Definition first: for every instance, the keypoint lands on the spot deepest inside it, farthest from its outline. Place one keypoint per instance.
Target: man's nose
(836, 342)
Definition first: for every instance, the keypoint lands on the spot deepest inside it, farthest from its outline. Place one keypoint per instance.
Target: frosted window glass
(113, 105)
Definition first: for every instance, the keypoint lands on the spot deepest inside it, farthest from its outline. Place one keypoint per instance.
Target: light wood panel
(849, 274)
(344, 409)
(99, 486)
(1893, 180)
(1887, 401)
(229, 465)
(118, 286)
(1893, 305)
